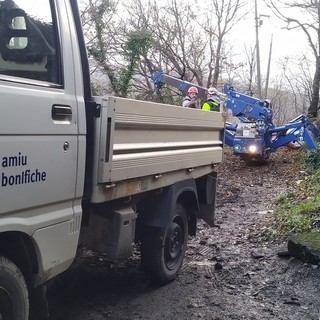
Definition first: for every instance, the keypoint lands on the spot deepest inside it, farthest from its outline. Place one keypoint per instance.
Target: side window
(28, 41)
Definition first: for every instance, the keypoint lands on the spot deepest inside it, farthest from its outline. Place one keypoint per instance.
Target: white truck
(104, 172)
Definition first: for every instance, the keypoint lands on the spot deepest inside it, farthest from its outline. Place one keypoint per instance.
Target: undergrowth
(299, 211)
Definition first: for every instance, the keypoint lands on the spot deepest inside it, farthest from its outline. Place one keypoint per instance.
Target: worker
(268, 112)
(267, 103)
(191, 100)
(213, 101)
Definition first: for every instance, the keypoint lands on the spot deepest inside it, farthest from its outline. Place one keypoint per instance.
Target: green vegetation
(311, 238)
(299, 211)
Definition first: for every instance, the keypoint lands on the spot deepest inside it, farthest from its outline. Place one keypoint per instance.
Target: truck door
(39, 117)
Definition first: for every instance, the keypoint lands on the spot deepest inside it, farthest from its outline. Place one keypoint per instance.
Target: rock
(256, 254)
(218, 266)
(283, 251)
(305, 247)
(283, 254)
(263, 212)
(292, 302)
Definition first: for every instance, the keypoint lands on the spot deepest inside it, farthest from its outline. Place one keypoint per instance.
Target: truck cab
(42, 144)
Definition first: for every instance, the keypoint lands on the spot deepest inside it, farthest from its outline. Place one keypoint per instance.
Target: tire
(162, 260)
(14, 303)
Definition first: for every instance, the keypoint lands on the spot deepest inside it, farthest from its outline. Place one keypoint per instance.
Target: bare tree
(220, 20)
(298, 79)
(309, 23)
(245, 74)
(191, 45)
(96, 15)
(178, 44)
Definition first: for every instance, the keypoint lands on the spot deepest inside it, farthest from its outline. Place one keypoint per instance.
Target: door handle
(61, 112)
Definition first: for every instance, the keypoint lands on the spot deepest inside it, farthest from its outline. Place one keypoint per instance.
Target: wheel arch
(162, 205)
(19, 248)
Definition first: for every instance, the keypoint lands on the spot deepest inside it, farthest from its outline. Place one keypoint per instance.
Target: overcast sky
(284, 43)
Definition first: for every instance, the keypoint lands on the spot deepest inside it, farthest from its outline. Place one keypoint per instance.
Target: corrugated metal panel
(140, 138)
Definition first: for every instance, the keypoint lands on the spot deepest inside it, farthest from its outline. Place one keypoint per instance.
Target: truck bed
(145, 145)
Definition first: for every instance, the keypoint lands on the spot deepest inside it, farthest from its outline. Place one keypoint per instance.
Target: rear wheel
(162, 251)
(14, 303)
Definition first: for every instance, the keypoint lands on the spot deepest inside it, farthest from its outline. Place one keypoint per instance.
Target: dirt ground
(231, 271)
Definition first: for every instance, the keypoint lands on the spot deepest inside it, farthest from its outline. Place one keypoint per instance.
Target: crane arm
(160, 79)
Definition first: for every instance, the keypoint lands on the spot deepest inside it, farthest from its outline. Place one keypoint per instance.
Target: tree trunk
(313, 108)
(217, 67)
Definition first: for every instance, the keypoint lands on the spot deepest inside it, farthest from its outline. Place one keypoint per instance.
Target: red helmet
(193, 90)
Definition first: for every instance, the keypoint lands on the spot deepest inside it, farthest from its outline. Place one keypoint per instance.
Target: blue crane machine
(254, 136)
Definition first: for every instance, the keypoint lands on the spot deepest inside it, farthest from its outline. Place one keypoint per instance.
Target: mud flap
(207, 198)
(207, 213)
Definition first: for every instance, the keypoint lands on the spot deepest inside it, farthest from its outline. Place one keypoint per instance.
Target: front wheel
(163, 251)
(14, 303)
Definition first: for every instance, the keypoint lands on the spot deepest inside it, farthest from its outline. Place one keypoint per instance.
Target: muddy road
(231, 271)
